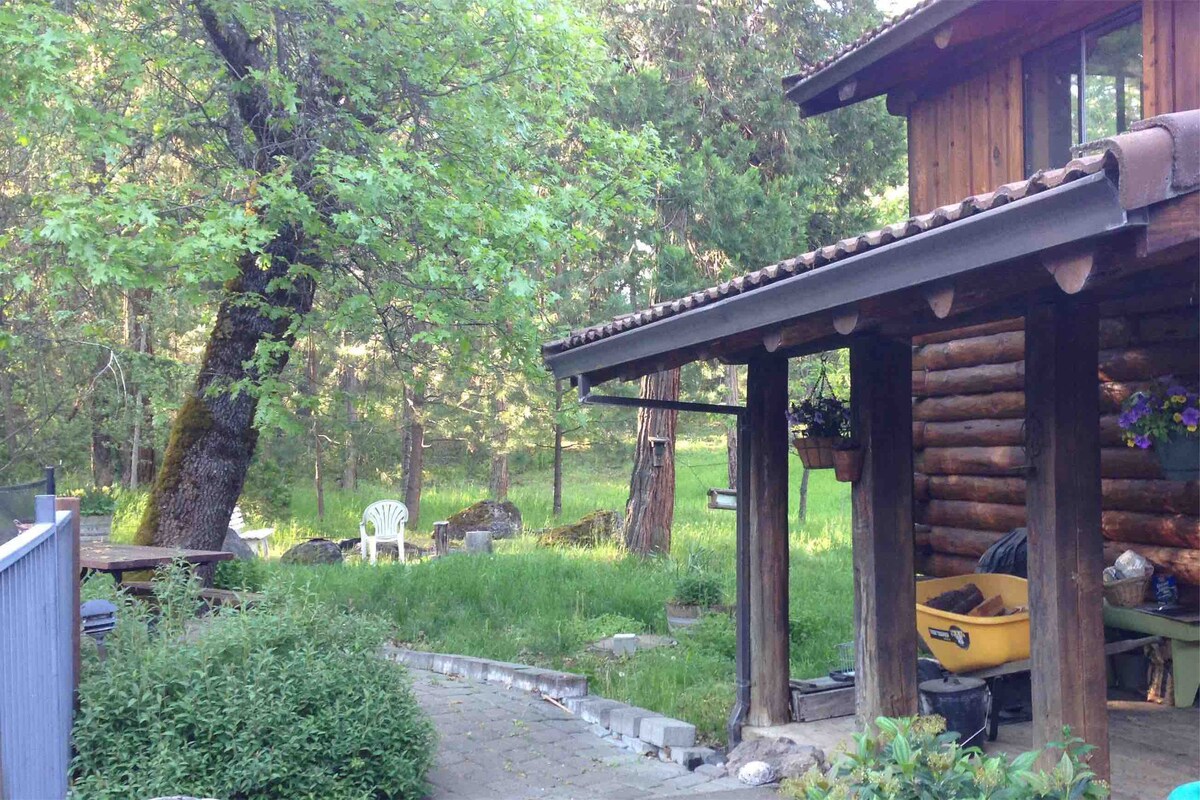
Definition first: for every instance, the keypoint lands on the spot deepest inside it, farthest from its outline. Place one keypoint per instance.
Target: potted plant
(1166, 418)
(695, 594)
(847, 460)
(96, 507)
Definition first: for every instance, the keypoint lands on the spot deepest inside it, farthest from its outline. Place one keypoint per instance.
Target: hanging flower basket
(847, 461)
(820, 425)
(1167, 418)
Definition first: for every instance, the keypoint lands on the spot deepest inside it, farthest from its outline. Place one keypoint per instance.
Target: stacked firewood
(969, 600)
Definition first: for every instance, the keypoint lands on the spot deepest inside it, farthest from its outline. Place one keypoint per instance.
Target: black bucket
(964, 704)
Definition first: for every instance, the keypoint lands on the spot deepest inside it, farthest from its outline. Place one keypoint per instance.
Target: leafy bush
(267, 492)
(98, 501)
(913, 758)
(247, 575)
(697, 589)
(287, 700)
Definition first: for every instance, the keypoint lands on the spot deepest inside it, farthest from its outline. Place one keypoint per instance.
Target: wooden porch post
(766, 404)
(885, 617)
(1066, 555)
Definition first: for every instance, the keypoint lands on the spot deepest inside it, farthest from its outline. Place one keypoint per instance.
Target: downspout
(741, 706)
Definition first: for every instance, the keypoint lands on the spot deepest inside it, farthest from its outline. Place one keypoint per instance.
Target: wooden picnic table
(116, 559)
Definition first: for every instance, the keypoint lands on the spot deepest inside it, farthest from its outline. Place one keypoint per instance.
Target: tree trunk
(651, 506)
(141, 458)
(350, 389)
(498, 484)
(104, 471)
(803, 510)
(556, 506)
(731, 397)
(414, 456)
(213, 436)
(313, 387)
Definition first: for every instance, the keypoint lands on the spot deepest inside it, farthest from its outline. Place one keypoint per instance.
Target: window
(1083, 87)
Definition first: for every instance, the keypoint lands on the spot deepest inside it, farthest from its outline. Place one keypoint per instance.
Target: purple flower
(1142, 441)
(1191, 416)
(1175, 389)
(1126, 420)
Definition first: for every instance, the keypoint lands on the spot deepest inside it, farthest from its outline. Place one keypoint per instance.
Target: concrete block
(598, 711)
(601, 731)
(574, 704)
(690, 757)
(474, 668)
(478, 542)
(502, 672)
(560, 685)
(624, 644)
(417, 659)
(528, 679)
(642, 748)
(444, 663)
(627, 720)
(667, 732)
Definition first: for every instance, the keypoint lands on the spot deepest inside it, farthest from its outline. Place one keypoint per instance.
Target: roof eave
(1073, 212)
(803, 90)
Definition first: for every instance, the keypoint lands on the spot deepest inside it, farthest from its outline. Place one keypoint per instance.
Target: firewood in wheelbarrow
(957, 601)
(992, 607)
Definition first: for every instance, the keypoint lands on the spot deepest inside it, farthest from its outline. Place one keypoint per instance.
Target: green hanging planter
(1179, 458)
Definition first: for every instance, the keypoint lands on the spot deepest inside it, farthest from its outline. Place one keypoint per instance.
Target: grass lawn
(539, 606)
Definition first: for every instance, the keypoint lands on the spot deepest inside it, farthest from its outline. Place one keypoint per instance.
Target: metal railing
(37, 656)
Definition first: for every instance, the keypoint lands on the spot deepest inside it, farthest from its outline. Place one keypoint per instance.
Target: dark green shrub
(913, 758)
(697, 589)
(287, 700)
(267, 492)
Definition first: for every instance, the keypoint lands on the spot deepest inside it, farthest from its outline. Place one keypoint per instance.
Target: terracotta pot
(847, 464)
(816, 452)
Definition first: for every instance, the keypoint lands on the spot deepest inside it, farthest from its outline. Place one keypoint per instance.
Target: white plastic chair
(256, 538)
(387, 518)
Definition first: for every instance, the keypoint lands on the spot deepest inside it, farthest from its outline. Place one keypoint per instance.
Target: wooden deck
(1154, 748)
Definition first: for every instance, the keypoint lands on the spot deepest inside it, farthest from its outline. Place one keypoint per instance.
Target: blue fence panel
(36, 657)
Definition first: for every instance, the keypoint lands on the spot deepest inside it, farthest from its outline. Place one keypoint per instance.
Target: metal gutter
(741, 706)
(1076, 211)
(801, 90)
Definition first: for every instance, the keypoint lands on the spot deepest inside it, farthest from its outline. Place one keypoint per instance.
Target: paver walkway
(505, 744)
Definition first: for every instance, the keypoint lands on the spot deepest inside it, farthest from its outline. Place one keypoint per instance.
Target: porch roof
(1099, 193)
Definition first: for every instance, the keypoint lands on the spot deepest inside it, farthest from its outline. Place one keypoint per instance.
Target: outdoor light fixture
(98, 618)
(658, 450)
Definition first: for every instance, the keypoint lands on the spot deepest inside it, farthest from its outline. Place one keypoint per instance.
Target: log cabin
(1048, 270)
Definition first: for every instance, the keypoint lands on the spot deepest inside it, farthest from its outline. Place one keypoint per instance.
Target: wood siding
(968, 385)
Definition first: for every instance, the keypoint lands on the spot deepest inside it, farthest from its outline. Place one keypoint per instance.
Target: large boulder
(590, 530)
(353, 547)
(503, 519)
(314, 551)
(788, 758)
(240, 549)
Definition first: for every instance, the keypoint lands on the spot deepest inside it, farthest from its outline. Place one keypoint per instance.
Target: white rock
(757, 773)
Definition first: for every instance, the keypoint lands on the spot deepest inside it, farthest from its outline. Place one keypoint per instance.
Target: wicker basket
(1126, 592)
(816, 452)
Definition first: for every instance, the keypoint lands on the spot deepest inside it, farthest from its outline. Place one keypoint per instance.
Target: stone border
(637, 729)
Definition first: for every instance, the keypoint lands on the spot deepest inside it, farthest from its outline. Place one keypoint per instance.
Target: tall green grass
(539, 606)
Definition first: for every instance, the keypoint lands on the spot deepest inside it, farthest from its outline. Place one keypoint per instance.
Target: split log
(957, 541)
(1183, 563)
(970, 433)
(1166, 530)
(969, 380)
(970, 460)
(1129, 462)
(1170, 326)
(971, 331)
(997, 405)
(998, 348)
(1000, 517)
(920, 486)
(1171, 497)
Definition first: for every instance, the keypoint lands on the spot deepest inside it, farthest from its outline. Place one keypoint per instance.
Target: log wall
(968, 417)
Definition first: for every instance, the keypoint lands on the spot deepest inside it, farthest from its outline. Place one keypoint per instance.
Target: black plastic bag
(1008, 556)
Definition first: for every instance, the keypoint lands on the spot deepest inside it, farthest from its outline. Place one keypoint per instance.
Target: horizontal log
(970, 460)
(1170, 326)
(969, 380)
(957, 541)
(920, 486)
(1166, 530)
(971, 433)
(1129, 462)
(1169, 497)
(940, 565)
(998, 348)
(1183, 563)
(997, 405)
(1148, 362)
(975, 487)
(972, 514)
(971, 331)
(1112, 395)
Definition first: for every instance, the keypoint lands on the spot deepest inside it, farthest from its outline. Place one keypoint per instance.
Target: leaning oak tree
(405, 160)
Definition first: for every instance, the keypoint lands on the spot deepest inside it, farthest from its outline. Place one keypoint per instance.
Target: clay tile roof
(1154, 161)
